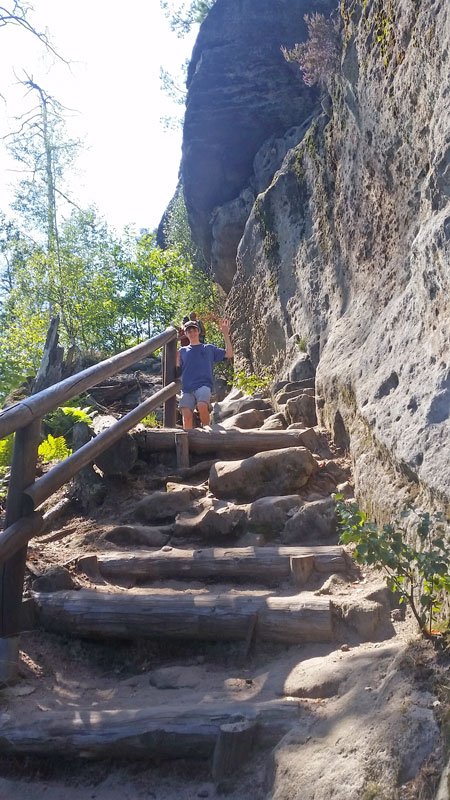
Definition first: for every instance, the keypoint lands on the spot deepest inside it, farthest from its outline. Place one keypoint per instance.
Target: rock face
(241, 91)
(346, 250)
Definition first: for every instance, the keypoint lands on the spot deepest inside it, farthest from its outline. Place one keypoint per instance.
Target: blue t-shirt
(196, 362)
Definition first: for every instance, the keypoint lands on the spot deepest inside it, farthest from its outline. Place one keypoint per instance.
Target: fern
(52, 449)
(61, 421)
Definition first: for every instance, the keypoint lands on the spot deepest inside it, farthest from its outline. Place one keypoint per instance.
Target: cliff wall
(346, 248)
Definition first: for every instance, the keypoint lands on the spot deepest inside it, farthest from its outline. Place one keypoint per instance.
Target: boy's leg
(203, 410)
(186, 406)
(188, 418)
(202, 397)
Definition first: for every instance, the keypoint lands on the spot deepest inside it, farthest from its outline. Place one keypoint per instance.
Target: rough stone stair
(275, 595)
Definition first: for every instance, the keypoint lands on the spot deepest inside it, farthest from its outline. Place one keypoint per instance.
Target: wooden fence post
(23, 472)
(169, 375)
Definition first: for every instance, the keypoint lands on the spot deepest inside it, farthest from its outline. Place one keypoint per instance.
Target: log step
(250, 563)
(162, 732)
(202, 616)
(227, 443)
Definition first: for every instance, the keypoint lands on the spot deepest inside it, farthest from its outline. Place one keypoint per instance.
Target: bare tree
(16, 14)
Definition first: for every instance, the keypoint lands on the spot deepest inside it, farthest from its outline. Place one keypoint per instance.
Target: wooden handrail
(37, 405)
(24, 495)
(49, 483)
(18, 534)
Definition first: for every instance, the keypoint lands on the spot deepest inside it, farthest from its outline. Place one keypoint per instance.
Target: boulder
(268, 515)
(236, 405)
(88, 487)
(276, 422)
(178, 677)
(302, 409)
(302, 369)
(335, 471)
(270, 473)
(308, 436)
(246, 420)
(120, 458)
(312, 524)
(140, 535)
(194, 492)
(334, 584)
(122, 455)
(299, 386)
(361, 615)
(219, 390)
(314, 439)
(163, 505)
(55, 579)
(277, 387)
(209, 519)
(316, 677)
(283, 396)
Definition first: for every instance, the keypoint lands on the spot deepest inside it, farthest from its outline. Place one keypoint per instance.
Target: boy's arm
(224, 327)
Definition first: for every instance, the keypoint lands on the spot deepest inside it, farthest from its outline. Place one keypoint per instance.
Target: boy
(197, 362)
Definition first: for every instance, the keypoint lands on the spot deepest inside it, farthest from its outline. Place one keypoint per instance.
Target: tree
(177, 233)
(44, 155)
(186, 14)
(175, 88)
(15, 14)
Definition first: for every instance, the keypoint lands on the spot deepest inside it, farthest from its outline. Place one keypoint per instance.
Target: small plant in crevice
(318, 57)
(151, 420)
(266, 222)
(302, 344)
(415, 561)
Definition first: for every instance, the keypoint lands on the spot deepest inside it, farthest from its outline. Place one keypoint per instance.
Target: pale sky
(130, 167)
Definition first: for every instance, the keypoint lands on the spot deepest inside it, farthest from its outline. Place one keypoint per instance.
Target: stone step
(236, 616)
(161, 732)
(263, 564)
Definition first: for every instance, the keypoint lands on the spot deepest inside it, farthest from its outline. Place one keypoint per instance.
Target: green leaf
(53, 449)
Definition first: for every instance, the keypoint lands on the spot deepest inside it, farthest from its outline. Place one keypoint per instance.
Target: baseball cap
(191, 324)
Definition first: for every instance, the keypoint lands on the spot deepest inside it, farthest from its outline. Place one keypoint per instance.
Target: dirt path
(365, 704)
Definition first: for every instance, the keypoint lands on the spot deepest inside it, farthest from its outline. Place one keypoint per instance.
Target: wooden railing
(25, 494)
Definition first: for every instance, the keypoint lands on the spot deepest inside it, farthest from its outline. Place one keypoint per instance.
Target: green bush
(416, 562)
(252, 383)
(61, 421)
(6, 450)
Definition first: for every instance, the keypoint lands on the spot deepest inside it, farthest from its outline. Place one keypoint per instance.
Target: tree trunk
(243, 563)
(227, 443)
(164, 732)
(211, 617)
